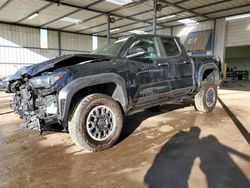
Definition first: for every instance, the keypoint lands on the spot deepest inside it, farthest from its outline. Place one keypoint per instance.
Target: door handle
(163, 64)
(186, 62)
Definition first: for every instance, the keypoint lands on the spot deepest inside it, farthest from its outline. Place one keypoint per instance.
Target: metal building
(42, 29)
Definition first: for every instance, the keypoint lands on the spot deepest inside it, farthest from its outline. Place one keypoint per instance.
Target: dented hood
(52, 64)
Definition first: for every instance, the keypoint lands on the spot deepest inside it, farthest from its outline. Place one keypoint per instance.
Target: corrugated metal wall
(53, 40)
(238, 32)
(166, 31)
(20, 46)
(74, 43)
(101, 41)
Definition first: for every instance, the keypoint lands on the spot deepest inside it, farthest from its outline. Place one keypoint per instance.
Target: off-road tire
(77, 124)
(201, 98)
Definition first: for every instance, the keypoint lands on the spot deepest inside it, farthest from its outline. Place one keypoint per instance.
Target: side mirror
(135, 52)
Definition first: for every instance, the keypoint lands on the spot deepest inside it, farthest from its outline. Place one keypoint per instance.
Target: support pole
(108, 29)
(154, 16)
(213, 37)
(59, 44)
(172, 31)
(220, 38)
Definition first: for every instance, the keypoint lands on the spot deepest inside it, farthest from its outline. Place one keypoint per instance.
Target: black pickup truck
(88, 94)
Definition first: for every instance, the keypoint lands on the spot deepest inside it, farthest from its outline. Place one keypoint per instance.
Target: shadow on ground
(236, 121)
(173, 164)
(132, 122)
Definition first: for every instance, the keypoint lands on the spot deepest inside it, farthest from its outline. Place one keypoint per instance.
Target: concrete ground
(177, 147)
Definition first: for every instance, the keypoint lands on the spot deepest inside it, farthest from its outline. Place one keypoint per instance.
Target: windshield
(110, 49)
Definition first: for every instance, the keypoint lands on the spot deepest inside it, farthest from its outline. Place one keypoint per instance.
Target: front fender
(66, 93)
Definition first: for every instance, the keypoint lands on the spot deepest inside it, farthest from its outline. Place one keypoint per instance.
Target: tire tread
(74, 126)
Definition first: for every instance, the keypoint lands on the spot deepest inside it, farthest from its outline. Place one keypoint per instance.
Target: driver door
(151, 77)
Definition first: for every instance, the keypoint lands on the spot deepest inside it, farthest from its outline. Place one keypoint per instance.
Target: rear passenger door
(180, 66)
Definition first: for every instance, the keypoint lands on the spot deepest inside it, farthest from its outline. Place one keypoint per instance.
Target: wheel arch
(209, 72)
(110, 83)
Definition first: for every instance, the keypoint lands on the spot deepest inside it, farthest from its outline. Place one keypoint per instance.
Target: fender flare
(67, 92)
(205, 67)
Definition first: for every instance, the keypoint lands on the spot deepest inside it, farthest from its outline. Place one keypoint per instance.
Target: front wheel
(205, 100)
(96, 123)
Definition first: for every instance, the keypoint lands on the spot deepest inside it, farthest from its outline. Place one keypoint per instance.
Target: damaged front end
(35, 99)
(37, 86)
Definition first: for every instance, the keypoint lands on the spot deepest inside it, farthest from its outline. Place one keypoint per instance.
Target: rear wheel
(205, 100)
(96, 123)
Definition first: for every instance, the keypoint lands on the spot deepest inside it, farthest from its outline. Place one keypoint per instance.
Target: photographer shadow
(172, 165)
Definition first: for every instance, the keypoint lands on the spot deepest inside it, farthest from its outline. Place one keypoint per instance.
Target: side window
(149, 45)
(170, 46)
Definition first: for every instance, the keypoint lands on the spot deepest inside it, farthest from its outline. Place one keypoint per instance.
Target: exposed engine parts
(34, 107)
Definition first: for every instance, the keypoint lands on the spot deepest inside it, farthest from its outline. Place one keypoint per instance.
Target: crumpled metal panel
(58, 62)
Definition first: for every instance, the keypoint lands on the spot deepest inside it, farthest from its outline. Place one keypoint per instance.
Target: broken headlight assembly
(48, 79)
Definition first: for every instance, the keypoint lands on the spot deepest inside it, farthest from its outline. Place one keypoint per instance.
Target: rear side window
(170, 46)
